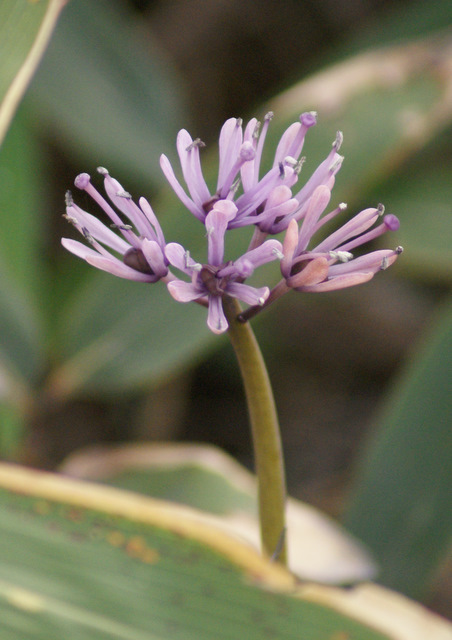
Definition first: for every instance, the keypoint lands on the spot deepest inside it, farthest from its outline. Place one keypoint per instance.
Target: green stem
(265, 432)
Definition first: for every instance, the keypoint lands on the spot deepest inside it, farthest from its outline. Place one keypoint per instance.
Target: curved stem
(265, 432)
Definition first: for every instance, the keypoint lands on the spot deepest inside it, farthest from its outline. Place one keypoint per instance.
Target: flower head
(262, 201)
(217, 278)
(330, 265)
(142, 245)
(270, 203)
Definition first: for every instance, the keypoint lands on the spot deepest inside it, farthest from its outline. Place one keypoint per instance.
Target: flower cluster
(269, 203)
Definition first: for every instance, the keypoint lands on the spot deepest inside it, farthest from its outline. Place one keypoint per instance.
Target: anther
(88, 237)
(103, 171)
(68, 199)
(384, 264)
(342, 206)
(399, 250)
(269, 115)
(197, 142)
(337, 163)
(124, 194)
(281, 170)
(70, 219)
(339, 139)
(257, 130)
(121, 227)
(380, 209)
(342, 256)
(278, 254)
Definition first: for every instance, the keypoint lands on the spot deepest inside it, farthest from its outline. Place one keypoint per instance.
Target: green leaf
(400, 501)
(422, 191)
(20, 346)
(25, 28)
(116, 335)
(88, 562)
(205, 477)
(22, 194)
(107, 90)
(21, 331)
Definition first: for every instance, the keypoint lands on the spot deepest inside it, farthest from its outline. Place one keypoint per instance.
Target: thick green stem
(265, 432)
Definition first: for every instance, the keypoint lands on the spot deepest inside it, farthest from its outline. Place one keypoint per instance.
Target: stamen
(298, 167)
(239, 122)
(68, 199)
(384, 264)
(269, 116)
(339, 140)
(196, 266)
(278, 254)
(124, 194)
(281, 170)
(342, 256)
(88, 237)
(290, 161)
(380, 209)
(342, 206)
(70, 219)
(337, 163)
(197, 142)
(102, 171)
(399, 250)
(235, 185)
(121, 227)
(261, 302)
(256, 131)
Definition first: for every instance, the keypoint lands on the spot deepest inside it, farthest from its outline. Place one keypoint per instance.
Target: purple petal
(341, 282)
(167, 169)
(246, 293)
(216, 223)
(314, 272)
(216, 320)
(154, 256)
(78, 249)
(354, 227)
(289, 246)
(188, 151)
(97, 229)
(123, 201)
(152, 218)
(249, 171)
(229, 146)
(317, 205)
(179, 258)
(372, 262)
(184, 291)
(118, 268)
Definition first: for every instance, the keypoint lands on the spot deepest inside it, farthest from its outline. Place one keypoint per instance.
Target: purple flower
(330, 264)
(141, 247)
(266, 201)
(269, 203)
(215, 279)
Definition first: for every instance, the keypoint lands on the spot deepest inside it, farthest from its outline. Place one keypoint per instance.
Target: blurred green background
(361, 376)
